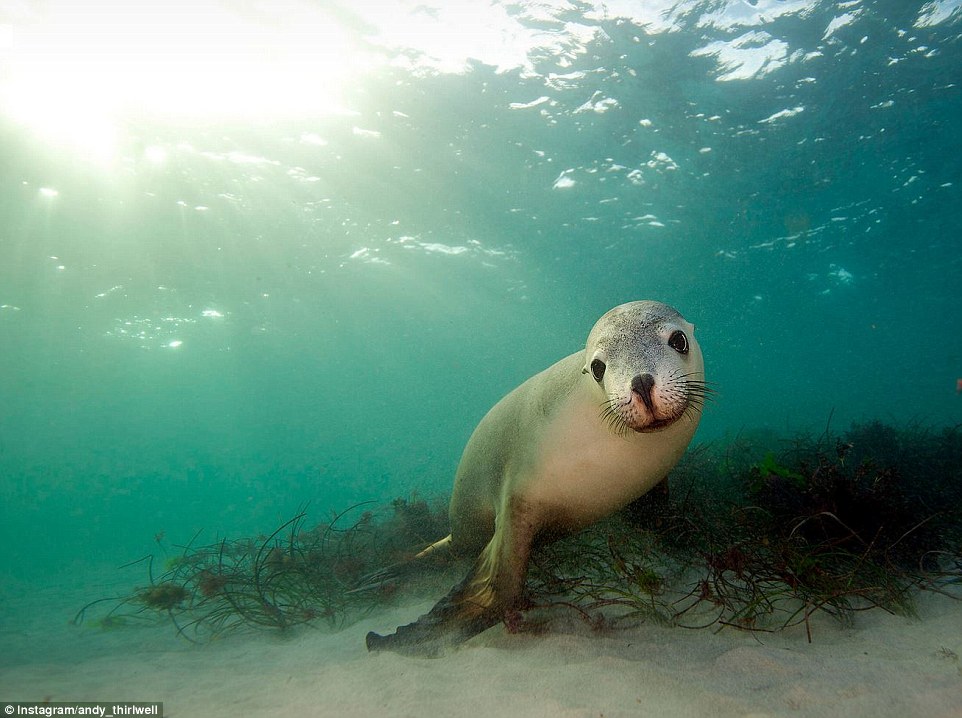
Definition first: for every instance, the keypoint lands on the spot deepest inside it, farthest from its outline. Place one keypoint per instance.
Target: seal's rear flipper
(438, 552)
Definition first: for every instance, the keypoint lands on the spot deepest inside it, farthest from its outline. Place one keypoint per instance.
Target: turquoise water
(294, 255)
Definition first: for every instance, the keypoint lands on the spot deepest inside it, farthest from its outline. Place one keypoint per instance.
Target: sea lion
(571, 445)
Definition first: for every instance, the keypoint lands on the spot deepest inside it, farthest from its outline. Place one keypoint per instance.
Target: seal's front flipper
(474, 605)
(444, 626)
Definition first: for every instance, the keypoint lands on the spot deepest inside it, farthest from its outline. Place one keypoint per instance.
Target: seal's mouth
(683, 396)
(656, 425)
(623, 417)
(646, 422)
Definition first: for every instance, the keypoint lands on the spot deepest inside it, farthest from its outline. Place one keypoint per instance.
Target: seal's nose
(642, 385)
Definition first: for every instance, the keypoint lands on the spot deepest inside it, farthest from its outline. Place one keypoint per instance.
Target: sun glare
(81, 73)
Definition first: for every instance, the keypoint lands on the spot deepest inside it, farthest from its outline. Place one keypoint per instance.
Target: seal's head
(648, 368)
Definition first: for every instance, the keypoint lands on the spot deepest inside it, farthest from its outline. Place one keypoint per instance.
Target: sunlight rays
(76, 77)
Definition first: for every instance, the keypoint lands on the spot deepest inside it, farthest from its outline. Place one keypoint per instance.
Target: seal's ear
(584, 369)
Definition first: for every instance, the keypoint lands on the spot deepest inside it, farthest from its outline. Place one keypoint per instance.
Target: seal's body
(571, 445)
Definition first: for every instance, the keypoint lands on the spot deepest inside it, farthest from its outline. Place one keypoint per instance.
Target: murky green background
(253, 257)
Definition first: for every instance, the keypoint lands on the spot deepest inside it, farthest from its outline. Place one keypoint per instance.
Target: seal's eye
(679, 342)
(598, 369)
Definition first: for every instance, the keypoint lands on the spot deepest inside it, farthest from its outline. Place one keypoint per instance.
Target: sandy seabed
(881, 665)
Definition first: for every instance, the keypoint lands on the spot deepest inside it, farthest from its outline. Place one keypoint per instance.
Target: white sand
(882, 666)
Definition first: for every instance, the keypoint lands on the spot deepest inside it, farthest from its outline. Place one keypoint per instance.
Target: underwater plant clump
(757, 533)
(164, 596)
(294, 576)
(760, 534)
